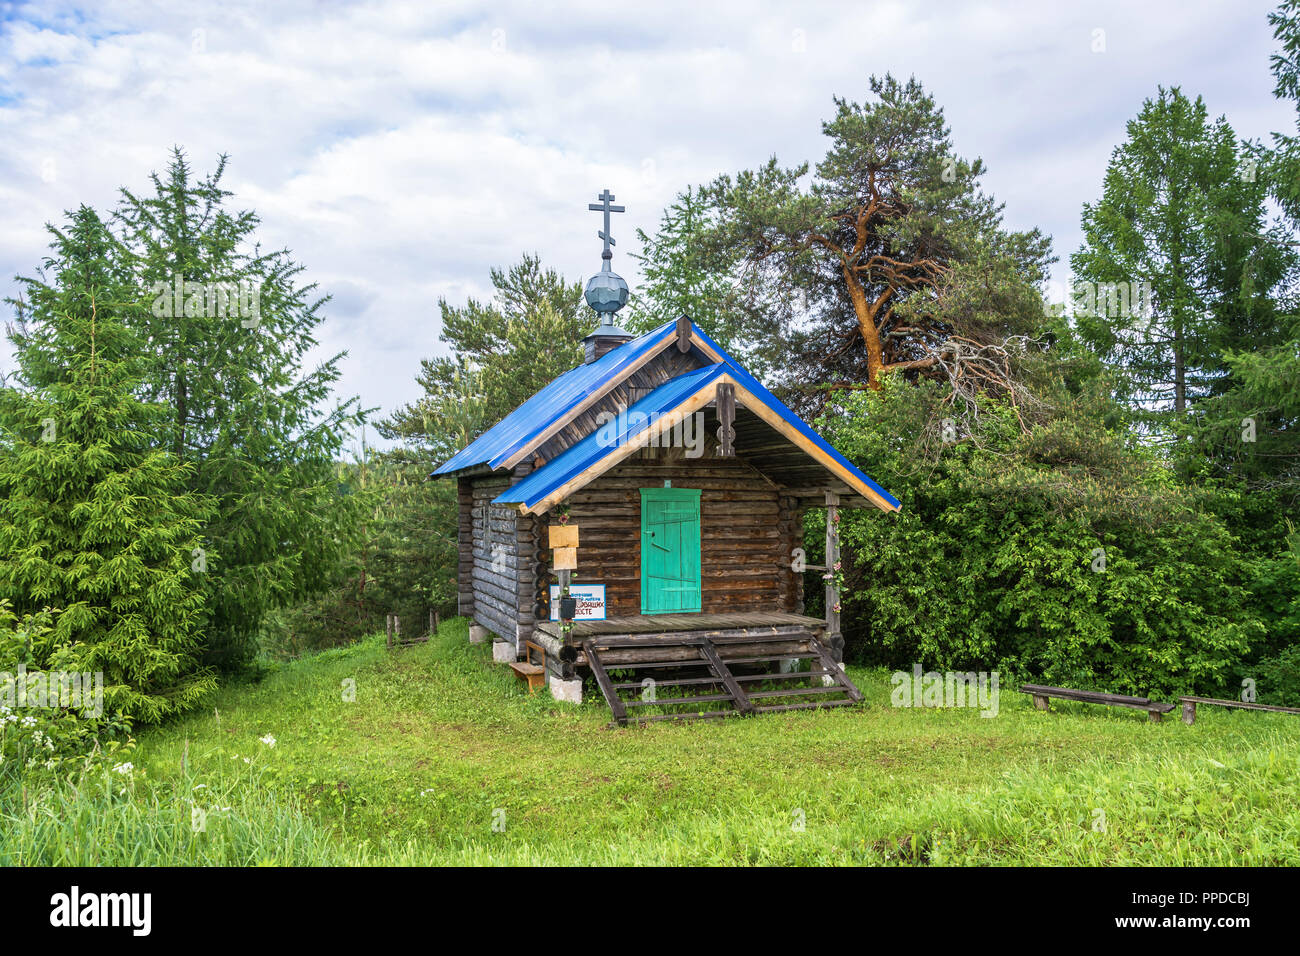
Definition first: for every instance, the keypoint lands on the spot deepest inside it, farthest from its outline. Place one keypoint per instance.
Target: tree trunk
(181, 412)
(867, 326)
(1180, 372)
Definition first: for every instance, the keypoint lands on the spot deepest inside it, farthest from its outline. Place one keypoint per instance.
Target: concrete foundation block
(503, 652)
(566, 691)
(828, 680)
(477, 633)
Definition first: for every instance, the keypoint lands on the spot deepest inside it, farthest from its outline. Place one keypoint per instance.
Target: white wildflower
(268, 740)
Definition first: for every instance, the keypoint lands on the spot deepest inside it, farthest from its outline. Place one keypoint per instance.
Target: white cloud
(403, 149)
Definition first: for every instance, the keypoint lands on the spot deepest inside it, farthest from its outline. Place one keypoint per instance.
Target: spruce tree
(1282, 162)
(1183, 212)
(95, 520)
(231, 331)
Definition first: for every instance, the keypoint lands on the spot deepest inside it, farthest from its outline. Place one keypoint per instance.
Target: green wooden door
(670, 550)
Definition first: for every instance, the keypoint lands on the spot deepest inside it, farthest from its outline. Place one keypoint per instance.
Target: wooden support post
(389, 624)
(397, 629)
(564, 592)
(568, 657)
(1041, 702)
(833, 636)
(527, 529)
(1189, 712)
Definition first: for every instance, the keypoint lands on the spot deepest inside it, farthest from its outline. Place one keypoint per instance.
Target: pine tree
(230, 329)
(95, 520)
(890, 260)
(502, 353)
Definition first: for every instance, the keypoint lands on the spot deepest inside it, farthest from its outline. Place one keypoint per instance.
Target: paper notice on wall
(590, 598)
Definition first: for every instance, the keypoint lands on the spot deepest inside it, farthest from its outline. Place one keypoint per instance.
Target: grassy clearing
(440, 744)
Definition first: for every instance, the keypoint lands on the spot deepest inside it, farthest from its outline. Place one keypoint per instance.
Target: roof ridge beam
(671, 335)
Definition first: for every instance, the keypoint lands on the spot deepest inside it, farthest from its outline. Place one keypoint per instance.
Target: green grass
(440, 742)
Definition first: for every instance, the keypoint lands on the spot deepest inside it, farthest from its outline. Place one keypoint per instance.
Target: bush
(45, 727)
(1064, 554)
(1279, 678)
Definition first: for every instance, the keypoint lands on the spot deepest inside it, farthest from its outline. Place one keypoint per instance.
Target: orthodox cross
(604, 206)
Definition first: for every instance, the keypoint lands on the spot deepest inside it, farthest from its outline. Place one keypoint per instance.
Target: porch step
(709, 684)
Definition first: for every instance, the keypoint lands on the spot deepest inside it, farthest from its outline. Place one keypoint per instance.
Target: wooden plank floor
(664, 623)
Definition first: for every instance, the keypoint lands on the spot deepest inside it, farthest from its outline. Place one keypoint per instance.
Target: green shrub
(1062, 554)
(1279, 678)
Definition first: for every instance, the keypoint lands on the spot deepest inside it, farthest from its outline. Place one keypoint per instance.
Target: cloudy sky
(401, 149)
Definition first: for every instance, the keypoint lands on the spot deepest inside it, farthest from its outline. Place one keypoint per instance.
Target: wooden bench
(1155, 711)
(1189, 706)
(526, 670)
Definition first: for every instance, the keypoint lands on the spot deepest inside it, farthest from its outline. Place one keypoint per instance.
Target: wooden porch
(650, 625)
(737, 663)
(659, 636)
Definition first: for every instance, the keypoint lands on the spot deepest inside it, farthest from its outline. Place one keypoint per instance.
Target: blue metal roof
(507, 436)
(663, 400)
(575, 460)
(756, 388)
(561, 396)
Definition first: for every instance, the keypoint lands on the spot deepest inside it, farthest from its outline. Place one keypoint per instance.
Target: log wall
(747, 533)
(465, 547)
(496, 562)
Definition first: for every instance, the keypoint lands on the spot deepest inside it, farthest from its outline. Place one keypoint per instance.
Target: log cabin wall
(496, 564)
(465, 547)
(790, 526)
(748, 533)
